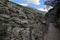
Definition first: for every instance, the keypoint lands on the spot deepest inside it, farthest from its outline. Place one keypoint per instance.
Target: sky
(37, 4)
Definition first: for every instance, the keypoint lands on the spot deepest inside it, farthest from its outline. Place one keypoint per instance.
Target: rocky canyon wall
(20, 23)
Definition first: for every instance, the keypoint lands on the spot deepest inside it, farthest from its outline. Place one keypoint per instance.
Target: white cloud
(46, 9)
(34, 2)
(24, 4)
(42, 9)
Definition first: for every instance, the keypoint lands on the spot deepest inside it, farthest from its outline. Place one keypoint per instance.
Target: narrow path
(53, 33)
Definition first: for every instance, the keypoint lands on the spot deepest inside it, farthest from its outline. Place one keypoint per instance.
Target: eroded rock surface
(15, 24)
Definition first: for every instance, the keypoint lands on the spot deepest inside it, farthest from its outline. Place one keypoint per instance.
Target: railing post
(30, 33)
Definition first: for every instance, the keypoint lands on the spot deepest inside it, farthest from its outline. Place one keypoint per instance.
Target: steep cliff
(20, 23)
(53, 22)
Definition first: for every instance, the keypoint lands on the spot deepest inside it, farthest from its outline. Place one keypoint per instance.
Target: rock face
(15, 23)
(53, 23)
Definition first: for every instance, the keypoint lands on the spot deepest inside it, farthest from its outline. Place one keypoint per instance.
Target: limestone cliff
(17, 21)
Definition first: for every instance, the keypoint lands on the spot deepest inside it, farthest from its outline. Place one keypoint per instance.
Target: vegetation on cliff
(17, 21)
